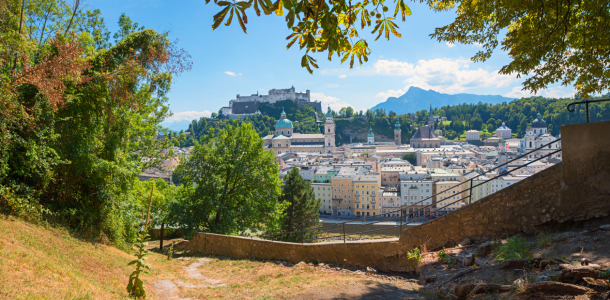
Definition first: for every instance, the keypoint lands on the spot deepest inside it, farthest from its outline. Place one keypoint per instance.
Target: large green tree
(234, 183)
(302, 210)
(549, 41)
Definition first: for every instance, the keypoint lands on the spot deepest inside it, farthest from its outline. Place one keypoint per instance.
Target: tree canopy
(303, 207)
(234, 183)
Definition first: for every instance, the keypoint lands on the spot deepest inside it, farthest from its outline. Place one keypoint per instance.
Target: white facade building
(504, 132)
(473, 135)
(323, 191)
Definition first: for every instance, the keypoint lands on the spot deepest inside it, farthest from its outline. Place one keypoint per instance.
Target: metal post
(470, 193)
(343, 233)
(400, 221)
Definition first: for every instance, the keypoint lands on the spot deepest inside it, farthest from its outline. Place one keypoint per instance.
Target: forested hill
(417, 99)
(485, 117)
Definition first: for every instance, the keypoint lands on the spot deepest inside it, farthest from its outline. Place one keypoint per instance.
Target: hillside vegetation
(485, 117)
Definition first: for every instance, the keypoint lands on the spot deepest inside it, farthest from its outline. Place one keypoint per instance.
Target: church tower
(371, 137)
(329, 133)
(397, 131)
(502, 159)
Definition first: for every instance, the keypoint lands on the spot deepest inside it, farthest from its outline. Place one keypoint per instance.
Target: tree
(234, 182)
(548, 40)
(302, 207)
(410, 157)
(324, 26)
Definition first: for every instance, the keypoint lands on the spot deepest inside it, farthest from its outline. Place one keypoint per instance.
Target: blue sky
(227, 62)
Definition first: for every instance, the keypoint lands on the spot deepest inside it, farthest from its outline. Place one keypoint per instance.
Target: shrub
(443, 257)
(514, 248)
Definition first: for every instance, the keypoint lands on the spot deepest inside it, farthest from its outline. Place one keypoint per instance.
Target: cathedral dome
(539, 122)
(283, 123)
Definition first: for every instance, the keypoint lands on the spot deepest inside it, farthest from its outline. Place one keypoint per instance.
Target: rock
(484, 249)
(563, 237)
(605, 227)
(519, 282)
(584, 262)
(321, 265)
(465, 242)
(469, 260)
(301, 264)
(359, 273)
(370, 270)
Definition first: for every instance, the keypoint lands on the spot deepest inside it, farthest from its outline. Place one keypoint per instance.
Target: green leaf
(230, 17)
(219, 17)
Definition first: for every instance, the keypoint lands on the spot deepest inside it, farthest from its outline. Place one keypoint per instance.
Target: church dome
(283, 122)
(539, 122)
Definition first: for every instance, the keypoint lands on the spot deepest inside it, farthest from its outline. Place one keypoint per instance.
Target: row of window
(368, 206)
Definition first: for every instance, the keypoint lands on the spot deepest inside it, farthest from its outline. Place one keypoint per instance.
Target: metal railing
(572, 106)
(310, 235)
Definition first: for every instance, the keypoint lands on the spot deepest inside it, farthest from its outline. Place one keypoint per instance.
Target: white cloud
(334, 102)
(478, 45)
(232, 73)
(554, 92)
(390, 93)
(342, 76)
(450, 45)
(187, 115)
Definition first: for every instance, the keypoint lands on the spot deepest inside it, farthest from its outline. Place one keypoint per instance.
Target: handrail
(314, 230)
(586, 102)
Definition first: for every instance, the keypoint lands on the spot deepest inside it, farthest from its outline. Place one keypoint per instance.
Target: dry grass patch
(48, 263)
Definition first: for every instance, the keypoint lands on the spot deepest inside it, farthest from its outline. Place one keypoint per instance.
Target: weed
(170, 251)
(605, 274)
(514, 248)
(414, 255)
(545, 240)
(443, 257)
(135, 287)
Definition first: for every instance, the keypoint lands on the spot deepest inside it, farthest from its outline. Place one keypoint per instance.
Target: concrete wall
(576, 189)
(386, 255)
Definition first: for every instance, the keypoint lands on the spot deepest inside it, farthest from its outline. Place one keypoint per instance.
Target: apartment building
(417, 196)
(343, 191)
(323, 191)
(367, 194)
(390, 204)
(390, 175)
(449, 197)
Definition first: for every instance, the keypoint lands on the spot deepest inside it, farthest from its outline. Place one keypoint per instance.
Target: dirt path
(167, 289)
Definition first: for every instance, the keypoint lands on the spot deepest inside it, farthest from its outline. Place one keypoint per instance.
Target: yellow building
(367, 194)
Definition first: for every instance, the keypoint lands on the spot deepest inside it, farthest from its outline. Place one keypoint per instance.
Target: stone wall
(386, 255)
(576, 189)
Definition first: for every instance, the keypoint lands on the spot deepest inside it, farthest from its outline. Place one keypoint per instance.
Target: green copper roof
(328, 114)
(397, 125)
(283, 123)
(283, 112)
(371, 132)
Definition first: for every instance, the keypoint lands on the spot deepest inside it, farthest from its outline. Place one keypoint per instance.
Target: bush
(414, 255)
(514, 248)
(545, 240)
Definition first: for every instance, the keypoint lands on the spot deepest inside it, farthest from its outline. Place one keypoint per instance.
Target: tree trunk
(161, 237)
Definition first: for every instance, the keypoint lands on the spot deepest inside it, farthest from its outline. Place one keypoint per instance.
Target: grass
(515, 248)
(545, 240)
(48, 263)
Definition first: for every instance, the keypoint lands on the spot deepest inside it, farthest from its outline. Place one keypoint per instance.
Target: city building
(390, 204)
(370, 138)
(323, 191)
(473, 135)
(367, 194)
(504, 132)
(397, 133)
(448, 198)
(286, 140)
(343, 191)
(535, 137)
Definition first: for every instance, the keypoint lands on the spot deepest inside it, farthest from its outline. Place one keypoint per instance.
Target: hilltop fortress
(248, 105)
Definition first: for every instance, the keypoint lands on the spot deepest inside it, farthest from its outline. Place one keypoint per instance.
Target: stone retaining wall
(385, 255)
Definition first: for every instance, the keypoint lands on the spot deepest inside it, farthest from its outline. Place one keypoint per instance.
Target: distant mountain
(416, 99)
(177, 125)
